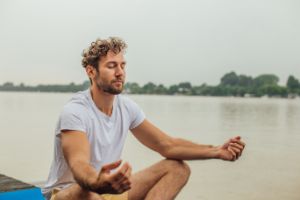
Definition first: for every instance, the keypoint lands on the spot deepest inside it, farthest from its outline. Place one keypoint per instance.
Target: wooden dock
(13, 189)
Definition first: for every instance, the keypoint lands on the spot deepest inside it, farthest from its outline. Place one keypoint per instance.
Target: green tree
(230, 79)
(292, 84)
(266, 79)
(132, 88)
(245, 81)
(149, 88)
(8, 86)
(86, 85)
(161, 89)
(173, 89)
(185, 88)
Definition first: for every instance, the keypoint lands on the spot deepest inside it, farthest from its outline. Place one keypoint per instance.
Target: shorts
(123, 196)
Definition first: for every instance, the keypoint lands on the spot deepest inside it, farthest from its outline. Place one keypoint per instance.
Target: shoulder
(77, 105)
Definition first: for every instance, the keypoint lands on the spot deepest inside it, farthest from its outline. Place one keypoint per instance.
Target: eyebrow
(114, 62)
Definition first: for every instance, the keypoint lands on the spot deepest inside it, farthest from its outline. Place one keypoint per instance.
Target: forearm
(84, 174)
(187, 143)
(186, 150)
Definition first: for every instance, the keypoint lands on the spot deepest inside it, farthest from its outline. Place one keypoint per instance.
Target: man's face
(111, 75)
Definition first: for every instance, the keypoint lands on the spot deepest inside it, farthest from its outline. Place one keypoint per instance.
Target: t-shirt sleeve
(137, 115)
(71, 118)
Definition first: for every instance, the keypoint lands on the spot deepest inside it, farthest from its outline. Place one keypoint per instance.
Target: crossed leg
(161, 181)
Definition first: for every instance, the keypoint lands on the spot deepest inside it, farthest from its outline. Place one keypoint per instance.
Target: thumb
(110, 166)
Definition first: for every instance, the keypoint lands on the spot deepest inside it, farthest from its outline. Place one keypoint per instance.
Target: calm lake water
(268, 170)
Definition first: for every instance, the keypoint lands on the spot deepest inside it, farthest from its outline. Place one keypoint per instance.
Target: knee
(179, 167)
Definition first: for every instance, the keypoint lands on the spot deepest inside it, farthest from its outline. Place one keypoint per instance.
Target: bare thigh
(144, 180)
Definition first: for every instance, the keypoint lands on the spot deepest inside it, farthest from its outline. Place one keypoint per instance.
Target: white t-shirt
(106, 134)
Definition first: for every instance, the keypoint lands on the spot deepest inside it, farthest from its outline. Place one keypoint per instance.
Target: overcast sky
(169, 41)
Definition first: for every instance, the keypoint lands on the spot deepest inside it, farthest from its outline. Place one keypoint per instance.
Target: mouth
(118, 82)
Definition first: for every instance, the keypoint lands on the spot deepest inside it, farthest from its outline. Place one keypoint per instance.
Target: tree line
(231, 84)
(72, 87)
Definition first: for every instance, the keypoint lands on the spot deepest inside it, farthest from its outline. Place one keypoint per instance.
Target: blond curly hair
(98, 49)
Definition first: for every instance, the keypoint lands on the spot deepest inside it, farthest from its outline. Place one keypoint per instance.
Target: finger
(226, 144)
(111, 166)
(236, 150)
(126, 184)
(126, 187)
(240, 142)
(120, 174)
(122, 187)
(125, 167)
(126, 178)
(236, 145)
(237, 137)
(128, 172)
(232, 153)
(118, 177)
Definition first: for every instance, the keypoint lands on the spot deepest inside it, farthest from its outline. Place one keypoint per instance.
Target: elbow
(167, 148)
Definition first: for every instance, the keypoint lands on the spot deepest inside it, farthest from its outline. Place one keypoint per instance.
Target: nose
(120, 71)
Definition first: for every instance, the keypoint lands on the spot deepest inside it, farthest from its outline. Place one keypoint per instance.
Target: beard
(108, 86)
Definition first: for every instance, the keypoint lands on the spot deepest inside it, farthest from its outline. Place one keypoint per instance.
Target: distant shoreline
(231, 84)
(175, 95)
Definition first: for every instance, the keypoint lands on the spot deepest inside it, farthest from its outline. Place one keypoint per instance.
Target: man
(90, 135)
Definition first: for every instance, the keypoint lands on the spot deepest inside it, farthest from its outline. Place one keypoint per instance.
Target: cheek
(106, 76)
(105, 73)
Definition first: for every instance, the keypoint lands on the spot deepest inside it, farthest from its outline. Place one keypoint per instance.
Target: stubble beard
(108, 87)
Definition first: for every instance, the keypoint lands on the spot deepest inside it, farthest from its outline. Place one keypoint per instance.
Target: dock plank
(10, 184)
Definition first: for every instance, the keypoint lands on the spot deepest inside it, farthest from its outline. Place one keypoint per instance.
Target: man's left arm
(181, 149)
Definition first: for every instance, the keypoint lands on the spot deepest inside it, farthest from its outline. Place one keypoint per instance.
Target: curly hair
(99, 48)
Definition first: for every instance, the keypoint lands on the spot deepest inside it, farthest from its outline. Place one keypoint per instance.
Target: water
(269, 168)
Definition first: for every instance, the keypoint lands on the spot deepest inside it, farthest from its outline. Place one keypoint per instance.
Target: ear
(90, 71)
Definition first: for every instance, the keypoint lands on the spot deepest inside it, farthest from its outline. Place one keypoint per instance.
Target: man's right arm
(76, 150)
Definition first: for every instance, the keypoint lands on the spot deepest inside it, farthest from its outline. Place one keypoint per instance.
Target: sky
(169, 41)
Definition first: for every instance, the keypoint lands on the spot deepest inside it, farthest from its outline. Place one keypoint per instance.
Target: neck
(104, 101)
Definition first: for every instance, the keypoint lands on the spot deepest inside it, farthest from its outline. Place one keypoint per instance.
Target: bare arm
(177, 148)
(76, 151)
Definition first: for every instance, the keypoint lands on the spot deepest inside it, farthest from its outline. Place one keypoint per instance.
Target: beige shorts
(123, 196)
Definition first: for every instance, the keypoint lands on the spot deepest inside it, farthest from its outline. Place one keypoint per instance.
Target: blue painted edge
(30, 194)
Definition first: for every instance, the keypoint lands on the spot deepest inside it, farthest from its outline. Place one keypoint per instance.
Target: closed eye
(111, 65)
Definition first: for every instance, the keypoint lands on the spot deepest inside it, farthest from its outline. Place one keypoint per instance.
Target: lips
(118, 81)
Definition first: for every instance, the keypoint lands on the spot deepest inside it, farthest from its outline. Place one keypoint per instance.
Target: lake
(269, 168)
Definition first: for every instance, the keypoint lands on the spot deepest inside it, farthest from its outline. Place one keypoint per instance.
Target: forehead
(112, 57)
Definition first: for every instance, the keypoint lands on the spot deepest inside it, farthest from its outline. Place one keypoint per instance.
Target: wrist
(98, 185)
(91, 183)
(215, 152)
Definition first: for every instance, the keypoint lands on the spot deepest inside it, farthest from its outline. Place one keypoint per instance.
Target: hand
(232, 149)
(113, 183)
